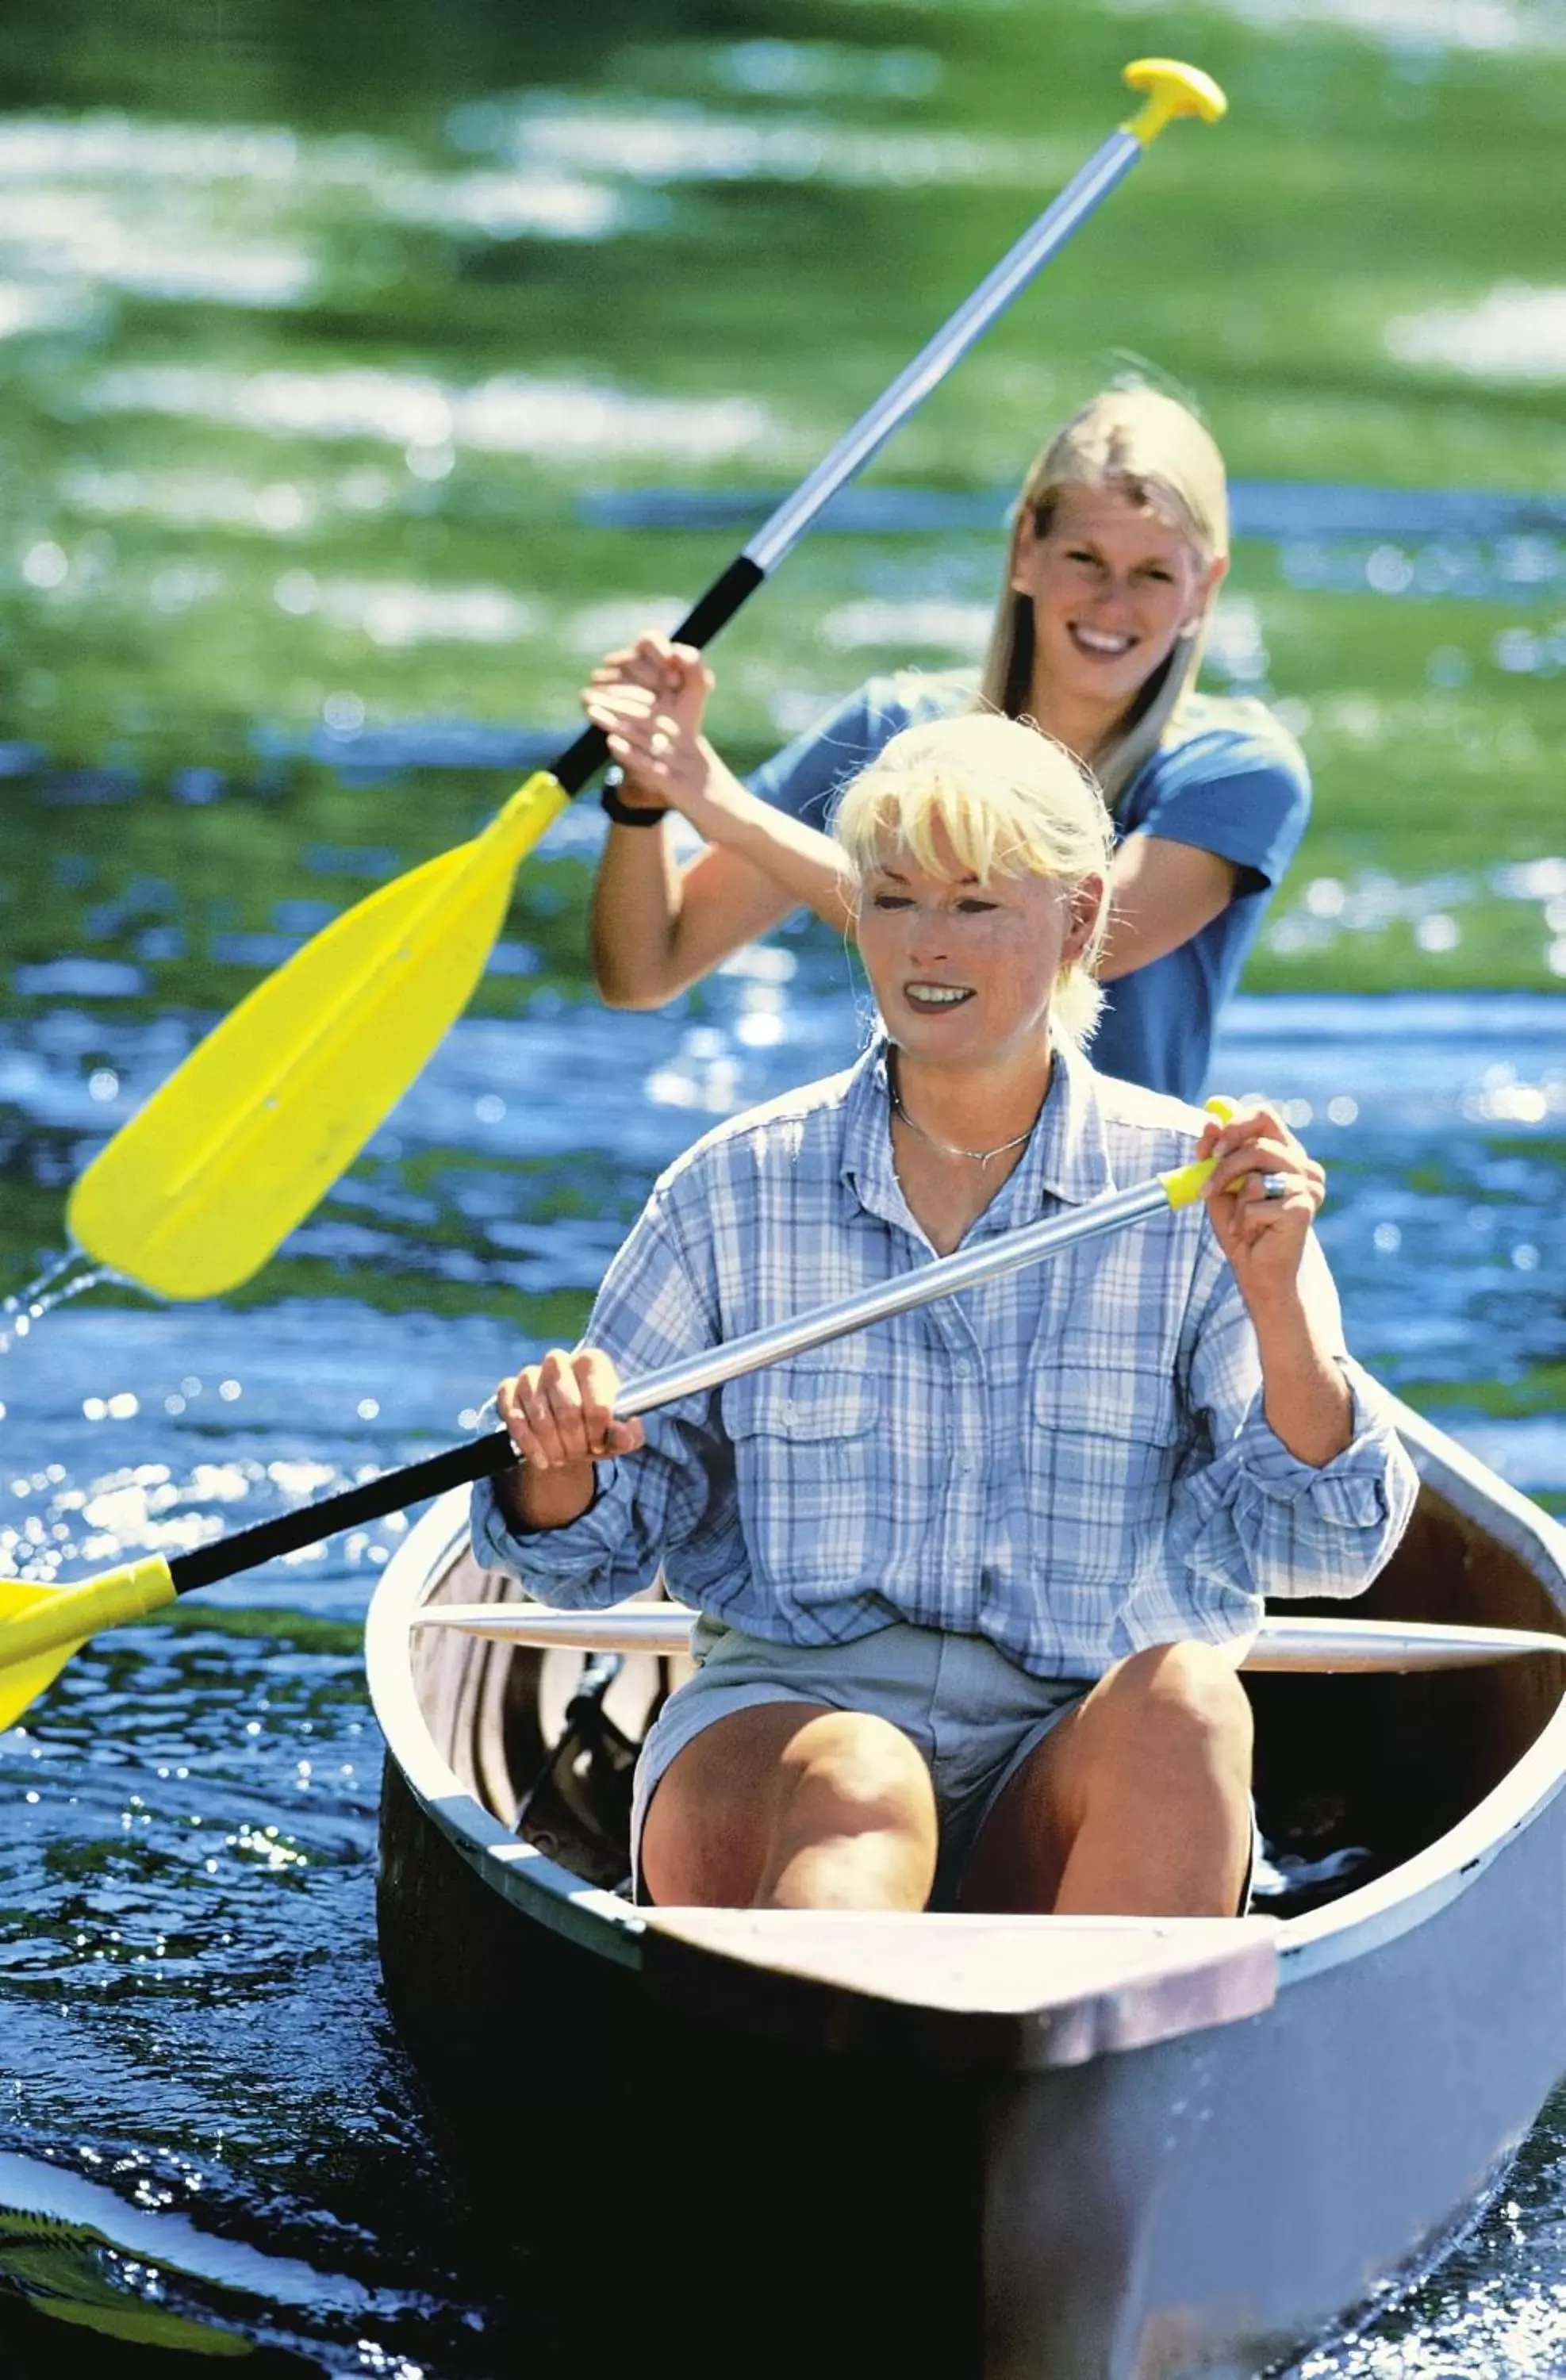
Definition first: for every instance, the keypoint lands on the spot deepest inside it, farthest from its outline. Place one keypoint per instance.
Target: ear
(1024, 545)
(1086, 903)
(1212, 578)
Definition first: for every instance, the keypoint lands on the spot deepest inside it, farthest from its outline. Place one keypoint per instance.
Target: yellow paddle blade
(244, 1138)
(40, 1627)
(23, 1682)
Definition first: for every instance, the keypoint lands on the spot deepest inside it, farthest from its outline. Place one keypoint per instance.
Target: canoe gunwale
(1342, 1931)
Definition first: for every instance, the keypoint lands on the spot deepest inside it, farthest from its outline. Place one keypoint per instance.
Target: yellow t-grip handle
(1186, 1183)
(1172, 90)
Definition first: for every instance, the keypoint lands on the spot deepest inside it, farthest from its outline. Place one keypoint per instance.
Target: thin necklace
(979, 1156)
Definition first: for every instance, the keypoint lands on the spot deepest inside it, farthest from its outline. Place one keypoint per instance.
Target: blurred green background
(322, 329)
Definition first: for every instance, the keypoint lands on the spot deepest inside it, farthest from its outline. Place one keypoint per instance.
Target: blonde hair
(1009, 801)
(1152, 449)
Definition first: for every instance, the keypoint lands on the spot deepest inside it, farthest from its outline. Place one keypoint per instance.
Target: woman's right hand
(560, 1417)
(649, 700)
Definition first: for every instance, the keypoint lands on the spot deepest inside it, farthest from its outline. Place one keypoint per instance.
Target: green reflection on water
(245, 469)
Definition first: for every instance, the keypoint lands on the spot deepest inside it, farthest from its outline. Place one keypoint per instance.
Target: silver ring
(1274, 1186)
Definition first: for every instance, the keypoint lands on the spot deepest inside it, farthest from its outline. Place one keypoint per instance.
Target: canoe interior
(1203, 2205)
(1354, 1774)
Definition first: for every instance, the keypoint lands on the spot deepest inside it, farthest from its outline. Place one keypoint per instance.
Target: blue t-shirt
(1226, 778)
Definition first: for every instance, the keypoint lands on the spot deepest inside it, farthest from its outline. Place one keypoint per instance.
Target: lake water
(347, 357)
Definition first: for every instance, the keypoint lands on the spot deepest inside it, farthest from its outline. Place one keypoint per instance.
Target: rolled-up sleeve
(651, 1310)
(1251, 1520)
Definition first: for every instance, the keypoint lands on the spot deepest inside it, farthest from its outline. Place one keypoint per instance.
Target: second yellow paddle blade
(244, 1138)
(23, 1682)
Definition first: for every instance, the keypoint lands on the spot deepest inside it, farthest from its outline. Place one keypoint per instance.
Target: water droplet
(367, 1409)
(1342, 1110)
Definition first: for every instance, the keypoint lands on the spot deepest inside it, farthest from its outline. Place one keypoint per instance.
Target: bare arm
(657, 927)
(1164, 893)
(1308, 1402)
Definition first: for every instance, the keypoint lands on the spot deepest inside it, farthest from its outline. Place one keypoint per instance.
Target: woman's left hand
(649, 703)
(1264, 1195)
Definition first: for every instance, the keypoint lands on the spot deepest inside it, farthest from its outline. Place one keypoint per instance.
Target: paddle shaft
(481, 1458)
(784, 526)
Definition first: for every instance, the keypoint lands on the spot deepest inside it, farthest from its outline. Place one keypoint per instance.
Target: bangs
(949, 827)
(1144, 491)
(977, 796)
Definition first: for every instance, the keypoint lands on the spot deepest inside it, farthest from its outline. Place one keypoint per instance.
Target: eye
(1156, 570)
(891, 901)
(1079, 554)
(970, 906)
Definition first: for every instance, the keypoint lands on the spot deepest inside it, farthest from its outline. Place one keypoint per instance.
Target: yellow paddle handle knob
(1186, 1183)
(67, 1615)
(1172, 90)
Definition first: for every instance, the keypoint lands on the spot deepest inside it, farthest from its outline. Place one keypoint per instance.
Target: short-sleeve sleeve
(1245, 796)
(807, 775)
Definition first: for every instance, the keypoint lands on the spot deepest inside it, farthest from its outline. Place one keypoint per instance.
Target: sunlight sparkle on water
(509, 413)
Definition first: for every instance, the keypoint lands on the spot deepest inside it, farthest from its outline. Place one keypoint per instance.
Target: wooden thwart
(1328, 1646)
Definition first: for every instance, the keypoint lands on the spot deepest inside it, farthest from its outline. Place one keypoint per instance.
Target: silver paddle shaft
(1102, 172)
(1006, 1253)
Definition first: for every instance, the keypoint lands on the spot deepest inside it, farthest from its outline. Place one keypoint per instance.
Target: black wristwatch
(626, 813)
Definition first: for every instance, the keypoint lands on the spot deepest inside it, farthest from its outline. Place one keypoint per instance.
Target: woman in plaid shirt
(974, 1582)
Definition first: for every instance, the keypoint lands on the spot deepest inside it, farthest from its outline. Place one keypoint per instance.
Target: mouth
(933, 996)
(1097, 645)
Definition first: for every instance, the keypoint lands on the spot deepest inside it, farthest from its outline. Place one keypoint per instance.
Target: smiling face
(1113, 587)
(963, 969)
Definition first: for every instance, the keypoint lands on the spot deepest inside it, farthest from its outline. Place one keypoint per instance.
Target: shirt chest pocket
(1102, 1447)
(806, 1468)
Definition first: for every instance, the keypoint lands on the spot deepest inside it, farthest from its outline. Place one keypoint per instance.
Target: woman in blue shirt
(1119, 545)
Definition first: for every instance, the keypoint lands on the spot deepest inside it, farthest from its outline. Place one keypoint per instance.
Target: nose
(1111, 597)
(928, 939)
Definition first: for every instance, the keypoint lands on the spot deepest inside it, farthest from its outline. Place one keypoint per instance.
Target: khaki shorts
(973, 1714)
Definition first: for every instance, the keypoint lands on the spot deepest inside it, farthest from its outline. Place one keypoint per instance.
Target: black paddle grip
(582, 760)
(480, 1458)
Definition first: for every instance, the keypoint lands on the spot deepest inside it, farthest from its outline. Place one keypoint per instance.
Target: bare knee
(1183, 1704)
(852, 1773)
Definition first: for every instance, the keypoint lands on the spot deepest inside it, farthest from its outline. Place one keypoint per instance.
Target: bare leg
(789, 1805)
(1137, 1804)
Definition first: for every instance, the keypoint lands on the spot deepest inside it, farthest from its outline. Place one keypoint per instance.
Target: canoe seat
(1059, 1989)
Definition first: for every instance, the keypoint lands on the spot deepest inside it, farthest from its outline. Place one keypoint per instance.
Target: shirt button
(964, 1368)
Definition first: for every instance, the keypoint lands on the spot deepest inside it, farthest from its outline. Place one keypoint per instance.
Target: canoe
(993, 2148)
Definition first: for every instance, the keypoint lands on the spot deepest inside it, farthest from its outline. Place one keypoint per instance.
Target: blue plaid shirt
(1072, 1462)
